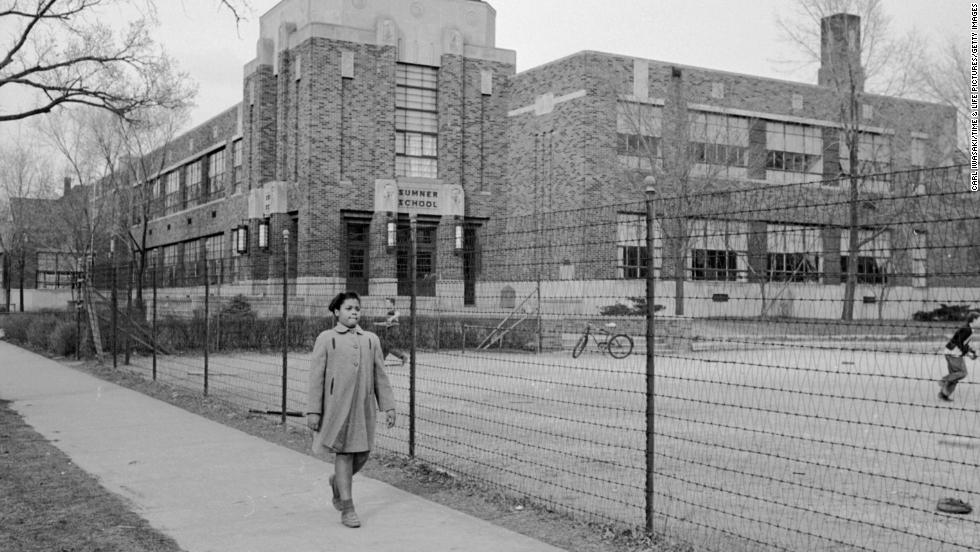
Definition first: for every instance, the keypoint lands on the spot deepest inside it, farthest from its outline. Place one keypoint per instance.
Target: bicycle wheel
(620, 346)
(580, 346)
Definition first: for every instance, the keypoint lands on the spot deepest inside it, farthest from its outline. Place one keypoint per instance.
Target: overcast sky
(731, 35)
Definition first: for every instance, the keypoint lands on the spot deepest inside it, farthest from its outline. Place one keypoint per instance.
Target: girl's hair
(338, 301)
(971, 316)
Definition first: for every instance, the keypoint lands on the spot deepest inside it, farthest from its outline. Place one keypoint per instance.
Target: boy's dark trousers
(957, 371)
(388, 345)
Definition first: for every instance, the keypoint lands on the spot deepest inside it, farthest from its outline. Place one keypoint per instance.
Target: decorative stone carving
(453, 42)
(385, 196)
(455, 206)
(387, 35)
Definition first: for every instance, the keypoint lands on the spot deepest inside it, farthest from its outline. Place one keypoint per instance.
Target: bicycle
(617, 345)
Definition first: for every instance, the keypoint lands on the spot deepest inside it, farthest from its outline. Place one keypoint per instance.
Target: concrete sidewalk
(214, 488)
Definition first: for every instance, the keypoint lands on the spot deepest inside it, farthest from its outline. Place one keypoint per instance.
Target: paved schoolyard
(800, 445)
(214, 488)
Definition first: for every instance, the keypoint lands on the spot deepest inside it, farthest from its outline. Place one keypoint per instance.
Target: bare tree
(90, 148)
(61, 53)
(943, 76)
(24, 176)
(851, 53)
(147, 146)
(688, 157)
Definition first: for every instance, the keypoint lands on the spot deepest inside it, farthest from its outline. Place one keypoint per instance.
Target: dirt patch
(47, 503)
(415, 477)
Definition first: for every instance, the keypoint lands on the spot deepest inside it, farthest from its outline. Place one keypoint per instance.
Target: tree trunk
(850, 284)
(854, 141)
(680, 265)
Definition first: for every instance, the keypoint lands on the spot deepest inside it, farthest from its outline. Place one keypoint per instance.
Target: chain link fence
(753, 369)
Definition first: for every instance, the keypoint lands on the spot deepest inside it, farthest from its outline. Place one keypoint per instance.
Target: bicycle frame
(604, 339)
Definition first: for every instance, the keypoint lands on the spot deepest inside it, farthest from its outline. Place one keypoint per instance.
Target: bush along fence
(777, 391)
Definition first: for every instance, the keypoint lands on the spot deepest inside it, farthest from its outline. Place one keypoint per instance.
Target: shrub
(638, 308)
(15, 326)
(63, 340)
(39, 329)
(944, 313)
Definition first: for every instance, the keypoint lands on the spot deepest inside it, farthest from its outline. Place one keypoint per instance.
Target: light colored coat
(348, 386)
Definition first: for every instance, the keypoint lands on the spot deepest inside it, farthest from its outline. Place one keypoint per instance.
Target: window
(639, 128)
(714, 264)
(56, 270)
(416, 121)
(637, 145)
(193, 183)
(874, 251)
(236, 260)
(173, 203)
(191, 266)
(719, 144)
(171, 265)
(156, 198)
(216, 172)
(717, 249)
(631, 236)
(794, 153)
(236, 170)
(793, 253)
(874, 154)
(213, 250)
(718, 154)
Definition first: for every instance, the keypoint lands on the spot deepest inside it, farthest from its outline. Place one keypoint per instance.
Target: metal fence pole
(78, 317)
(115, 299)
(650, 336)
(207, 320)
(153, 336)
(413, 328)
(285, 318)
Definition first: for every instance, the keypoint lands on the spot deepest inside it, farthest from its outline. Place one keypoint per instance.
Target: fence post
(153, 337)
(650, 336)
(207, 320)
(285, 317)
(128, 319)
(114, 302)
(413, 328)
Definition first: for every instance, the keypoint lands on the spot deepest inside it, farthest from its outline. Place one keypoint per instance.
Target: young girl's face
(349, 312)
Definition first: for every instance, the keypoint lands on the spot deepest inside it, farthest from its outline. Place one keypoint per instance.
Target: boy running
(957, 364)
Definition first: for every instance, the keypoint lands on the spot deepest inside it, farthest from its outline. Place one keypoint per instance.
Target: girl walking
(347, 387)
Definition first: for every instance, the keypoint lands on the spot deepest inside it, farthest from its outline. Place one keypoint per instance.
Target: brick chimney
(67, 186)
(840, 52)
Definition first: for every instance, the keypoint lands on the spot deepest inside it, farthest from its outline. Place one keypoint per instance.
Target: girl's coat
(348, 385)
